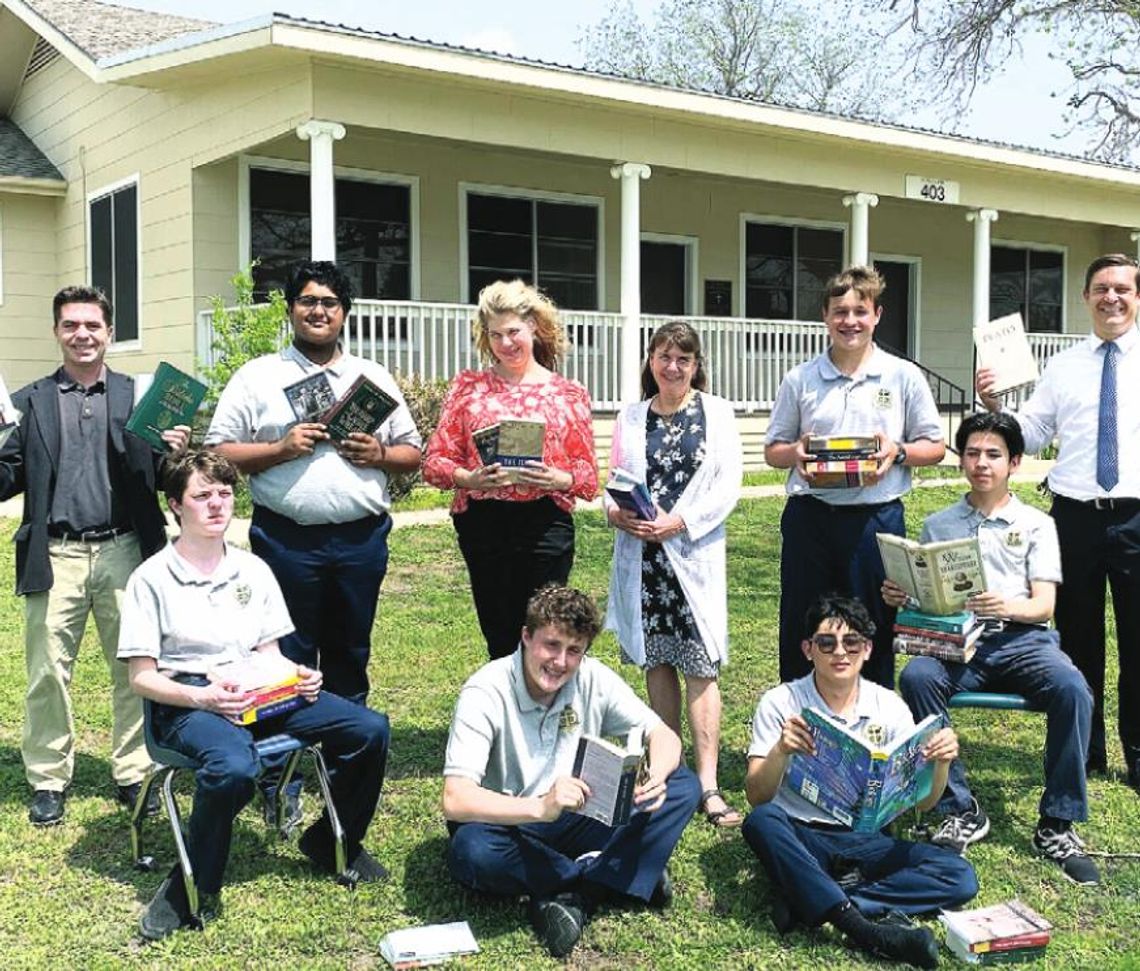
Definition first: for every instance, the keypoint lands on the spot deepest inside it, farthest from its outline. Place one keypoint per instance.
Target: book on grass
(487, 443)
(270, 683)
(939, 577)
(862, 785)
(631, 494)
(9, 414)
(420, 947)
(172, 399)
(362, 408)
(521, 440)
(1003, 347)
(312, 397)
(611, 772)
(1020, 955)
(1000, 928)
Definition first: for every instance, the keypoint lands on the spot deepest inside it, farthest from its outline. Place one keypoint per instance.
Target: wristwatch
(900, 455)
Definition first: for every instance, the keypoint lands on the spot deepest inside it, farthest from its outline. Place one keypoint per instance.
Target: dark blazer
(29, 462)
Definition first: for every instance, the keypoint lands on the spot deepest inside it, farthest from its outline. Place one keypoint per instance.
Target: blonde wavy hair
(527, 303)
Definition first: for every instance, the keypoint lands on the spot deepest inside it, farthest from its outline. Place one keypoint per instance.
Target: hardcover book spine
(1037, 939)
(930, 634)
(623, 801)
(260, 714)
(932, 622)
(906, 645)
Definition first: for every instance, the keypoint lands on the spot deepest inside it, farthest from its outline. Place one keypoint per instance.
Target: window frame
(1039, 248)
(692, 245)
(791, 222)
(116, 346)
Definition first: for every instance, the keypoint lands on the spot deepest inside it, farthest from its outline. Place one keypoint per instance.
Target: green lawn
(70, 898)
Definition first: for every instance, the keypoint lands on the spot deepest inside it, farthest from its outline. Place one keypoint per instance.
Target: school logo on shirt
(883, 399)
(243, 594)
(875, 734)
(1013, 539)
(568, 720)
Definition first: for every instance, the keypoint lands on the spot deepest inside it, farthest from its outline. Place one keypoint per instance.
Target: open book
(1004, 349)
(938, 577)
(612, 773)
(862, 786)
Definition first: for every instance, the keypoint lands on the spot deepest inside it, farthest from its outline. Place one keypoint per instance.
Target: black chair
(169, 762)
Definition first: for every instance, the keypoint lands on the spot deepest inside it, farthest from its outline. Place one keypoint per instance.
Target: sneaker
(128, 795)
(959, 830)
(558, 921)
(168, 911)
(293, 813)
(1066, 849)
(317, 844)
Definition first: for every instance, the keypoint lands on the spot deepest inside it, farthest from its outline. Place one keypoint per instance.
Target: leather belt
(100, 535)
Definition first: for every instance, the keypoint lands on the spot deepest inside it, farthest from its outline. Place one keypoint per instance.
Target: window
(786, 268)
(373, 232)
(1029, 282)
(114, 247)
(552, 244)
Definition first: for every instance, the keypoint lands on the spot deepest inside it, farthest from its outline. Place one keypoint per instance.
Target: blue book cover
(862, 786)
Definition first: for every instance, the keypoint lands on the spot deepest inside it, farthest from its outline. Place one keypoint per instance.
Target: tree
(955, 45)
(788, 52)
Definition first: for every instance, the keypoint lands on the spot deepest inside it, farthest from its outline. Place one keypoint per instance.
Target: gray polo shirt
(504, 740)
(318, 488)
(189, 622)
(82, 497)
(889, 397)
(1019, 543)
(875, 706)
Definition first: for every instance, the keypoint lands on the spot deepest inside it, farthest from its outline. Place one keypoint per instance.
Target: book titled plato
(172, 399)
(1003, 348)
(939, 577)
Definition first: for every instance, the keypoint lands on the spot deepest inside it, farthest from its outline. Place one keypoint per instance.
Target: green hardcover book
(363, 408)
(172, 399)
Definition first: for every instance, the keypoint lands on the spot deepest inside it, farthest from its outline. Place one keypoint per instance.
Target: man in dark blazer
(91, 515)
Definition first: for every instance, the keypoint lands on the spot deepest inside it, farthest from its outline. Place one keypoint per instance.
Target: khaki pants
(89, 578)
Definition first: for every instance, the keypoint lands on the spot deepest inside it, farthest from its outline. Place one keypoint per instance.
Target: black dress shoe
(127, 796)
(168, 911)
(47, 807)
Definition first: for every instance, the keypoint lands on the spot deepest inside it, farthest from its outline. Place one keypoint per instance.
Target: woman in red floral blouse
(514, 536)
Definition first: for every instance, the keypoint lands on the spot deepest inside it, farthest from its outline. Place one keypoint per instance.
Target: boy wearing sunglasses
(860, 883)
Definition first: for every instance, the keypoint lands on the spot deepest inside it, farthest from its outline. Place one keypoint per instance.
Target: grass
(69, 896)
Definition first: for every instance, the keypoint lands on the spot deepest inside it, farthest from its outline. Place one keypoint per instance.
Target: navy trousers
(330, 575)
(540, 859)
(354, 742)
(1027, 661)
(832, 549)
(893, 874)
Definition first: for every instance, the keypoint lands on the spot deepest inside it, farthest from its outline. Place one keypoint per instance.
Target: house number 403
(931, 190)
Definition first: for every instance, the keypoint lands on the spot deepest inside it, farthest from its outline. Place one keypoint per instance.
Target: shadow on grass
(92, 777)
(416, 753)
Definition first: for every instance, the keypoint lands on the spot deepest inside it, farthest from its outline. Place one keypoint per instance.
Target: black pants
(511, 549)
(1099, 545)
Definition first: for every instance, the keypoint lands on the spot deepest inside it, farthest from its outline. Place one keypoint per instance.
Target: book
(420, 947)
(172, 399)
(612, 773)
(844, 474)
(959, 623)
(862, 445)
(939, 577)
(1005, 927)
(312, 397)
(269, 682)
(862, 786)
(487, 443)
(941, 637)
(521, 440)
(9, 415)
(1020, 955)
(927, 647)
(1003, 347)
(362, 408)
(631, 494)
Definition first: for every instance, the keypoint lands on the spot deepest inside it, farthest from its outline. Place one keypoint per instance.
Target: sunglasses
(827, 643)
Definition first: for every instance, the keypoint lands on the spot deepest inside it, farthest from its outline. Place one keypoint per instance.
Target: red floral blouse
(477, 399)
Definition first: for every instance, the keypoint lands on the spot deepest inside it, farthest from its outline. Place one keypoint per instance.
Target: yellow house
(156, 155)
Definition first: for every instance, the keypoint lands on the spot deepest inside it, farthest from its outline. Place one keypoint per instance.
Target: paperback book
(421, 947)
(269, 682)
(521, 440)
(362, 408)
(862, 785)
(939, 577)
(612, 773)
(1001, 933)
(1003, 347)
(172, 399)
(630, 494)
(918, 646)
(311, 398)
(487, 443)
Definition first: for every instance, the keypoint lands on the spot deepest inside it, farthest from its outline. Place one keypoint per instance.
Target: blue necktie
(1107, 467)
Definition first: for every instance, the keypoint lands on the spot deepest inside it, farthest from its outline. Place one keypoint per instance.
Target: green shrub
(425, 401)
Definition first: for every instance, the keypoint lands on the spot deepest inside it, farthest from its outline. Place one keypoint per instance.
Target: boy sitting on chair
(1020, 654)
(190, 607)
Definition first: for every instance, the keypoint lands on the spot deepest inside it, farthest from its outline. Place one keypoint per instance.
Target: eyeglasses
(827, 643)
(308, 302)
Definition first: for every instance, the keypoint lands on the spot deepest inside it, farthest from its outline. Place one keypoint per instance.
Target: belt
(1106, 503)
(99, 535)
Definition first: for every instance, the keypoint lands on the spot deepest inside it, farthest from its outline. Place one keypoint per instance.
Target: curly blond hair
(529, 304)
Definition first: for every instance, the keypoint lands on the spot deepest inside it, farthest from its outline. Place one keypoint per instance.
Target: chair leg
(138, 814)
(339, 838)
(280, 795)
(180, 843)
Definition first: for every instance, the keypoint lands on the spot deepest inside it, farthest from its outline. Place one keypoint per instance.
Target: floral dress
(674, 450)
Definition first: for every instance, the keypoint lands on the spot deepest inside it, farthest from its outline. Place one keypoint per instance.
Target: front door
(894, 328)
(664, 278)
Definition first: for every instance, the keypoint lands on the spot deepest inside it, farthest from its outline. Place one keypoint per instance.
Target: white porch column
(1135, 237)
(860, 203)
(322, 187)
(631, 174)
(981, 218)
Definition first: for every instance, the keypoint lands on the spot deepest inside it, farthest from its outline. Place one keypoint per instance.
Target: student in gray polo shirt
(852, 388)
(509, 796)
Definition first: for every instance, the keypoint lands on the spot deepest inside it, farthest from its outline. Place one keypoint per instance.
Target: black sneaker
(317, 844)
(558, 921)
(168, 911)
(128, 795)
(1066, 849)
(959, 830)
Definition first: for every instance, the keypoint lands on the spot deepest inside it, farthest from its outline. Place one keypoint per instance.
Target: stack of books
(269, 682)
(948, 637)
(1008, 933)
(841, 461)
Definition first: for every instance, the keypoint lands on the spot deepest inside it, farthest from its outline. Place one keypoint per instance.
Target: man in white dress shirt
(1088, 399)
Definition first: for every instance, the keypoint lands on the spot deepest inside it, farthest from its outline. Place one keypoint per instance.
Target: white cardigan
(697, 554)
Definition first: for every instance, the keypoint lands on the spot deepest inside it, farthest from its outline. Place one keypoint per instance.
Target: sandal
(726, 818)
